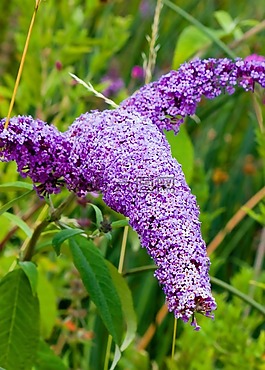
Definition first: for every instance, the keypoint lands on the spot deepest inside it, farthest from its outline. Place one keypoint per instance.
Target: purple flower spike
(38, 149)
(130, 161)
(176, 95)
(124, 154)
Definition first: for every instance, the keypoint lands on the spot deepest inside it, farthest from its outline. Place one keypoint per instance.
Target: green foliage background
(223, 158)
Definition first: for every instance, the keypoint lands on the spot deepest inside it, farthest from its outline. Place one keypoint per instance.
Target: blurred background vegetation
(223, 157)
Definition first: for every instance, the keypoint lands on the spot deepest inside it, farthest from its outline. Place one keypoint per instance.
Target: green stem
(138, 270)
(174, 338)
(123, 249)
(22, 63)
(108, 349)
(239, 294)
(201, 27)
(55, 216)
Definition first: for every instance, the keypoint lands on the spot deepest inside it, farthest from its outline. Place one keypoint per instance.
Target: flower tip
(137, 72)
(195, 324)
(254, 58)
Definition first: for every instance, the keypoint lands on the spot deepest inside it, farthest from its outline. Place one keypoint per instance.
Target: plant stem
(123, 249)
(250, 33)
(41, 226)
(138, 270)
(90, 88)
(108, 349)
(239, 215)
(25, 217)
(239, 294)
(215, 281)
(153, 48)
(22, 63)
(174, 338)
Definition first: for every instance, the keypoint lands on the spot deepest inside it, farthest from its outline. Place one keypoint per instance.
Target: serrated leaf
(16, 185)
(31, 271)
(98, 283)
(10, 204)
(47, 359)
(62, 236)
(19, 322)
(182, 150)
(19, 222)
(126, 303)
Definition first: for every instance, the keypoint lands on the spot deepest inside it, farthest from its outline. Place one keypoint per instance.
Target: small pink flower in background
(84, 223)
(114, 82)
(58, 65)
(145, 8)
(137, 73)
(255, 58)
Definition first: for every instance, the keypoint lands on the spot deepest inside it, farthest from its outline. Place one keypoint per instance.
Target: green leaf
(190, 41)
(99, 216)
(48, 307)
(19, 222)
(98, 283)
(119, 223)
(227, 23)
(47, 359)
(16, 185)
(126, 303)
(117, 357)
(10, 204)
(182, 150)
(259, 217)
(62, 236)
(19, 320)
(31, 271)
(208, 32)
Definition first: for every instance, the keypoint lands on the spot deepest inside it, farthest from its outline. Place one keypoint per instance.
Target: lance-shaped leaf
(16, 185)
(62, 236)
(127, 305)
(10, 204)
(47, 359)
(98, 282)
(19, 322)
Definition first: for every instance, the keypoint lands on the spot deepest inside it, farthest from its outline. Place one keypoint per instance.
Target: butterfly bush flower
(124, 154)
(176, 95)
(39, 150)
(255, 57)
(129, 160)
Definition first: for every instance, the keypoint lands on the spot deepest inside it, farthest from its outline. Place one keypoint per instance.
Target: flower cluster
(176, 95)
(124, 154)
(112, 151)
(39, 150)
